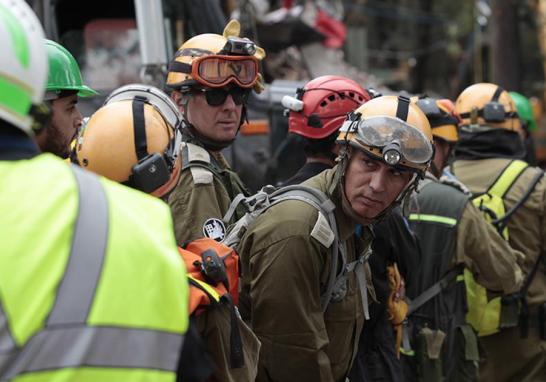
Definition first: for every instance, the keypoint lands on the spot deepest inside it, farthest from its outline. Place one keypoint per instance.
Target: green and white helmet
(23, 63)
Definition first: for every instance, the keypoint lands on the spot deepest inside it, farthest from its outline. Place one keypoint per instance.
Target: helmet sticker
(214, 229)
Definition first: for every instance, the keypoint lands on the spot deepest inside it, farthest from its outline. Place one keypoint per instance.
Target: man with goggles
(456, 243)
(287, 258)
(211, 77)
(396, 138)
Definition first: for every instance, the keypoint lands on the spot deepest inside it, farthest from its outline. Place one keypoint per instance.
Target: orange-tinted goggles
(218, 71)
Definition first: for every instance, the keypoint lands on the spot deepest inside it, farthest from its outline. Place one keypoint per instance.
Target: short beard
(52, 142)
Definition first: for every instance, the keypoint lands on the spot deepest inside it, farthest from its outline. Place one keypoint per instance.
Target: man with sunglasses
(457, 245)
(305, 278)
(211, 77)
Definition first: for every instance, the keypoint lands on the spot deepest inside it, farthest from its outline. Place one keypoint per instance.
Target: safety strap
(236, 344)
(358, 266)
(212, 294)
(502, 222)
(402, 108)
(139, 128)
(70, 343)
(432, 291)
(507, 178)
(179, 67)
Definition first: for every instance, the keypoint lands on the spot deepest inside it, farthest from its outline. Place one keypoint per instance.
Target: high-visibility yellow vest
(91, 284)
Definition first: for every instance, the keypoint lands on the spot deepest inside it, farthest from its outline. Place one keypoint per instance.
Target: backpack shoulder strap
(507, 178)
(433, 290)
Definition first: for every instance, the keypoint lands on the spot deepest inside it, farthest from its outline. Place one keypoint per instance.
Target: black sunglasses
(216, 97)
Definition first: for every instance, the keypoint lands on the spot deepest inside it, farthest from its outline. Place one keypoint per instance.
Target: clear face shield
(393, 140)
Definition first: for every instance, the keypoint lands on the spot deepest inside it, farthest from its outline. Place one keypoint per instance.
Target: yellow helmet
(487, 105)
(441, 116)
(129, 141)
(392, 129)
(213, 60)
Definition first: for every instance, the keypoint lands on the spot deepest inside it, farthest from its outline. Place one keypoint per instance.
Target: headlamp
(391, 154)
(392, 139)
(239, 46)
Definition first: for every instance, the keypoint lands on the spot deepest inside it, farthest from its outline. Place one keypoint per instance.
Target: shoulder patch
(214, 229)
(201, 175)
(197, 153)
(322, 232)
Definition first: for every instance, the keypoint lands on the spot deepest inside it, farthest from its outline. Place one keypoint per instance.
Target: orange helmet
(442, 117)
(131, 142)
(213, 61)
(487, 105)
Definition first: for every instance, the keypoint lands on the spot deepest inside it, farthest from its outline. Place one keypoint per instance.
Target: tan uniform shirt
(203, 195)
(284, 271)
(527, 227)
(200, 200)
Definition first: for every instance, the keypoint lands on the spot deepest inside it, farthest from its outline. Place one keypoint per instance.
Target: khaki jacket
(203, 192)
(284, 270)
(527, 227)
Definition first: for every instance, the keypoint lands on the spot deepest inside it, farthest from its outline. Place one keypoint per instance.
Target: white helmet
(153, 96)
(23, 63)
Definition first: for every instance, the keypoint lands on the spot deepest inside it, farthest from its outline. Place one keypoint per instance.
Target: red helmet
(321, 106)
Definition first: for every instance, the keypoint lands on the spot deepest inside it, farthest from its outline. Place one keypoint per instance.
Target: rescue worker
(490, 144)
(306, 312)
(64, 88)
(143, 125)
(528, 123)
(83, 261)
(456, 243)
(316, 115)
(211, 77)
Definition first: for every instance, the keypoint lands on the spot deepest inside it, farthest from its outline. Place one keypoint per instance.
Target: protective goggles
(396, 141)
(217, 97)
(216, 71)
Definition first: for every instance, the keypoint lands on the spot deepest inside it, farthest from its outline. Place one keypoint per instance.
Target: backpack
(486, 315)
(325, 232)
(213, 275)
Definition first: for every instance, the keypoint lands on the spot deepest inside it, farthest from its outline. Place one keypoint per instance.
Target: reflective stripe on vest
(77, 289)
(58, 345)
(433, 219)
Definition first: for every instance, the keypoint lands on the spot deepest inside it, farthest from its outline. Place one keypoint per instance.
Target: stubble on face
(371, 185)
(219, 123)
